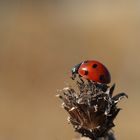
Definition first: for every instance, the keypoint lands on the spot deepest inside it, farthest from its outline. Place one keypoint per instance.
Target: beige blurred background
(40, 41)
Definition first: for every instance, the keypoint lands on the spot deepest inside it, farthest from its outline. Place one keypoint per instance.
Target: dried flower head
(92, 109)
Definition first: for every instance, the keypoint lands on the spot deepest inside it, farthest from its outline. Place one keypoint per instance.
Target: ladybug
(92, 70)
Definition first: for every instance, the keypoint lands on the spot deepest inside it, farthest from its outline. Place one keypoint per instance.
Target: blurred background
(40, 41)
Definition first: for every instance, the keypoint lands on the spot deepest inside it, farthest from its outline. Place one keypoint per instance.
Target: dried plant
(92, 109)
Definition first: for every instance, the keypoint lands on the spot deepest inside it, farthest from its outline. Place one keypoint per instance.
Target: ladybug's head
(74, 70)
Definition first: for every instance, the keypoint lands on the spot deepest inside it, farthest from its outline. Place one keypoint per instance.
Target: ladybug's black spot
(86, 72)
(102, 77)
(94, 65)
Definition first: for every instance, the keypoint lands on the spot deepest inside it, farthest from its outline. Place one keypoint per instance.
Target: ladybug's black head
(74, 70)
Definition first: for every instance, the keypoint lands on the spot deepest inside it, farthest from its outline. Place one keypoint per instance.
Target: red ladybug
(92, 70)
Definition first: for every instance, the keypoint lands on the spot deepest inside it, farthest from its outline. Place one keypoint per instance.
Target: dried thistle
(92, 109)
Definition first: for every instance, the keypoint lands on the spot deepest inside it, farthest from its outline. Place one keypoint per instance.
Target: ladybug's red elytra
(92, 70)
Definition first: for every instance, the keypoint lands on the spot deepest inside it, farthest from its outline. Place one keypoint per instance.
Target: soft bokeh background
(39, 43)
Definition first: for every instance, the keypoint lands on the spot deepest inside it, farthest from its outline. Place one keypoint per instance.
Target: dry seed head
(92, 109)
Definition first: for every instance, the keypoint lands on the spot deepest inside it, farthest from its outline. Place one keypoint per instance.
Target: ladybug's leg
(80, 77)
(90, 83)
(73, 76)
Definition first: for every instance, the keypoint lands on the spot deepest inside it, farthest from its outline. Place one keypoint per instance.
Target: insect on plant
(93, 108)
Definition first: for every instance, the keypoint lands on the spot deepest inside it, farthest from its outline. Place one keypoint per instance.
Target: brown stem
(109, 136)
